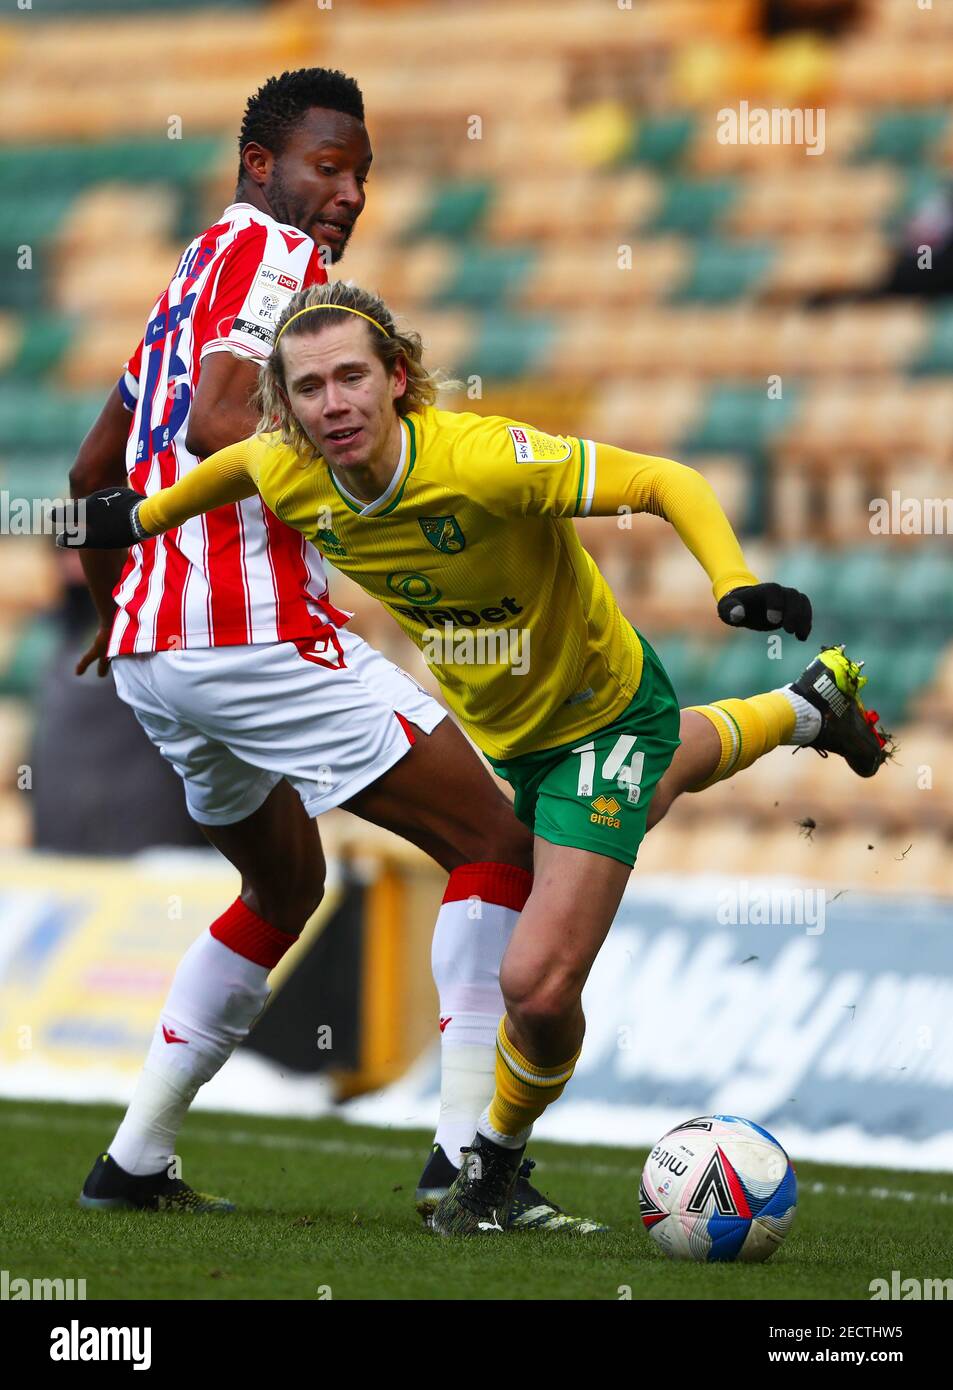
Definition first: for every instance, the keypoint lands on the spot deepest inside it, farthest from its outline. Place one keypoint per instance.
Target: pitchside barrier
(825, 1016)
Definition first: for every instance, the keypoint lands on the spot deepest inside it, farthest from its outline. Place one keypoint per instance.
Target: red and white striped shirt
(237, 575)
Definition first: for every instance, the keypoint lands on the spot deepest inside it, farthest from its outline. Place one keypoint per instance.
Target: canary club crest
(443, 533)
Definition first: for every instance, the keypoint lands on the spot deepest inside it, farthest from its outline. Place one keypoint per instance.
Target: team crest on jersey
(532, 446)
(443, 533)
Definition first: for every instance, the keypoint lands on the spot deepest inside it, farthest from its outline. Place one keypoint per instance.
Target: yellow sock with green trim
(523, 1090)
(748, 729)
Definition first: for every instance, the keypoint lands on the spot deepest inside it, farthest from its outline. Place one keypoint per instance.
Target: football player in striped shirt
(461, 525)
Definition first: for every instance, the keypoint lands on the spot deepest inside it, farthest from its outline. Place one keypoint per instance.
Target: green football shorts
(594, 793)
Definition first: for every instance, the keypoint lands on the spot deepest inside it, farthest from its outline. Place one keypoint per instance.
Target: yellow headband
(344, 309)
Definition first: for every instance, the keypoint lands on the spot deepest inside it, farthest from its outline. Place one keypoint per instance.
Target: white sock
(215, 997)
(472, 932)
(807, 719)
(506, 1141)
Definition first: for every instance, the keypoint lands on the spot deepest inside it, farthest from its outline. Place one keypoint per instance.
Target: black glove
(766, 607)
(105, 520)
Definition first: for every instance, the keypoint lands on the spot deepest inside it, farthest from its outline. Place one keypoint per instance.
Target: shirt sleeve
(516, 470)
(259, 273)
(229, 475)
(128, 383)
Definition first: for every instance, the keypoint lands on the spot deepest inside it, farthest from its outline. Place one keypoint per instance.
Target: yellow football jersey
(472, 548)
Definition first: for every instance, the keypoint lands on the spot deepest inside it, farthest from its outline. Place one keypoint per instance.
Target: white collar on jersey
(368, 508)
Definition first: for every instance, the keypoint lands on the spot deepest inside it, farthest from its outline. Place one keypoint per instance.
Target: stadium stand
(595, 260)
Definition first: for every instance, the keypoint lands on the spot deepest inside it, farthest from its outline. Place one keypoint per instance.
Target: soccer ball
(718, 1188)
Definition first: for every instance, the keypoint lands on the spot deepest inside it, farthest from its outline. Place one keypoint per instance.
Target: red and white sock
(219, 989)
(480, 908)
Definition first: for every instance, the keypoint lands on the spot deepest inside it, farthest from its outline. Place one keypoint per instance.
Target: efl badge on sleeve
(532, 446)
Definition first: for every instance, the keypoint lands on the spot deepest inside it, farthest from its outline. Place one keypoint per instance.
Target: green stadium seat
(28, 218)
(741, 667)
(725, 270)
(455, 211)
(45, 340)
(693, 205)
(864, 583)
(739, 419)
(661, 140)
(37, 643)
(937, 357)
(688, 662)
(41, 419)
(67, 168)
(905, 136)
(484, 276)
(36, 475)
(806, 569)
(505, 347)
(923, 586)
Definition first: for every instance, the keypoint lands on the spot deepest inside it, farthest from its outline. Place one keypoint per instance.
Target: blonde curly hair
(276, 416)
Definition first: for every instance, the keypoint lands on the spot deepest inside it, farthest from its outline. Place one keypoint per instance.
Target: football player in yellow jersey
(462, 526)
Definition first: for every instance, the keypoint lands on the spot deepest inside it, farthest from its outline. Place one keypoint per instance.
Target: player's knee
(288, 903)
(489, 835)
(507, 841)
(537, 1003)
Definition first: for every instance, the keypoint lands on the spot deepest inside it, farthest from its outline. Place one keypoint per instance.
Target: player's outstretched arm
(119, 516)
(517, 470)
(688, 502)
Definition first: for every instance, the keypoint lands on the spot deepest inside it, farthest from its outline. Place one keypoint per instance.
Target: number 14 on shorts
(619, 767)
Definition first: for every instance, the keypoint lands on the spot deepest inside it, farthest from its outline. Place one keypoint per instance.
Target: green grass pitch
(324, 1205)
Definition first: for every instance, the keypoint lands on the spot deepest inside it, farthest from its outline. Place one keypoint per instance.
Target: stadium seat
(694, 205)
(483, 277)
(505, 347)
(455, 210)
(32, 417)
(740, 418)
(661, 140)
(724, 270)
(35, 645)
(937, 355)
(904, 135)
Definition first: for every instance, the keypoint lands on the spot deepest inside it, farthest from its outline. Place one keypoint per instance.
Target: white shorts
(233, 721)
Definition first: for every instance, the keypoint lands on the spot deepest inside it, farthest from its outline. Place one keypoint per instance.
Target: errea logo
(604, 811)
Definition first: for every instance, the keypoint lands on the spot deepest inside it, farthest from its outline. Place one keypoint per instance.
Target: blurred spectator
(931, 226)
(828, 17)
(99, 786)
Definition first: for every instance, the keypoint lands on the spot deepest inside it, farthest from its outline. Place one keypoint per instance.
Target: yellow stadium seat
(29, 578)
(16, 831)
(15, 725)
(836, 262)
